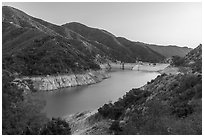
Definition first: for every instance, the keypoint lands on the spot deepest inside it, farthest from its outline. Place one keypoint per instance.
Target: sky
(168, 23)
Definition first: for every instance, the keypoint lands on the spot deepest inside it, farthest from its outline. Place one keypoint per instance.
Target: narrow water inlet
(71, 100)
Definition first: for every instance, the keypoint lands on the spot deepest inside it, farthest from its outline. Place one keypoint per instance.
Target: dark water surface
(76, 99)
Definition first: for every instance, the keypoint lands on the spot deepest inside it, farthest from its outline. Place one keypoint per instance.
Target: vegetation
(133, 97)
(32, 46)
(177, 61)
(56, 126)
(190, 87)
(21, 113)
(197, 66)
(44, 58)
(192, 60)
(117, 48)
(174, 108)
(167, 105)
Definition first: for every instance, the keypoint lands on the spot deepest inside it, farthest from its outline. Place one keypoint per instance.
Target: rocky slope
(195, 54)
(62, 81)
(194, 59)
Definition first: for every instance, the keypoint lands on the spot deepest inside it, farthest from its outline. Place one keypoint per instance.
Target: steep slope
(195, 54)
(117, 50)
(140, 52)
(121, 51)
(169, 104)
(30, 48)
(113, 42)
(19, 18)
(194, 59)
(169, 51)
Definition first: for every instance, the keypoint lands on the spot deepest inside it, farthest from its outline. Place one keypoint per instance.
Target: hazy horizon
(169, 23)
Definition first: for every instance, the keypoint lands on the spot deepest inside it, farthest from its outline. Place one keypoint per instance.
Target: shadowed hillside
(119, 49)
(32, 46)
(169, 51)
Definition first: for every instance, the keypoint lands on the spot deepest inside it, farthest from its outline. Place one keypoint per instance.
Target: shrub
(56, 126)
(110, 111)
(182, 109)
(115, 127)
(177, 61)
(21, 114)
(114, 111)
(148, 121)
(189, 87)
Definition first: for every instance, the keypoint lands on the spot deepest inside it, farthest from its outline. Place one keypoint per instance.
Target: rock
(62, 81)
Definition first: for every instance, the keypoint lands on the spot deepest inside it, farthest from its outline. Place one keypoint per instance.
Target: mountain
(110, 40)
(123, 50)
(169, 51)
(32, 46)
(141, 52)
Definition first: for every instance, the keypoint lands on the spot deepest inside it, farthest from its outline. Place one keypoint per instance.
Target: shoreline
(51, 83)
(170, 70)
(79, 121)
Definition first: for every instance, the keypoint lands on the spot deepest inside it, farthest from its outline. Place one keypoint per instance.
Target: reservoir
(71, 100)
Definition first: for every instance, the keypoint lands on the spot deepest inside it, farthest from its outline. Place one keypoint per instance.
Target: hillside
(169, 51)
(29, 51)
(167, 105)
(32, 46)
(195, 54)
(118, 50)
(112, 41)
(194, 59)
(139, 51)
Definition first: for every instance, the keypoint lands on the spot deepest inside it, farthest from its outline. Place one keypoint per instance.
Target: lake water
(77, 99)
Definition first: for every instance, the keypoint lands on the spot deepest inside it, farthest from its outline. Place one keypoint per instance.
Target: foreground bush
(114, 111)
(162, 108)
(56, 126)
(21, 113)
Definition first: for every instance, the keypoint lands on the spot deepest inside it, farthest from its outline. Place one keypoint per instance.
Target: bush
(110, 111)
(197, 66)
(115, 127)
(56, 126)
(177, 61)
(21, 114)
(182, 109)
(190, 87)
(114, 111)
(148, 121)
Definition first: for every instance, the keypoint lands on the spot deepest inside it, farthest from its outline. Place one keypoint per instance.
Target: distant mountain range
(32, 46)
